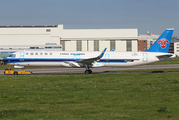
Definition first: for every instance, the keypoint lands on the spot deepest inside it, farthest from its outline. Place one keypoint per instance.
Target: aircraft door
(76, 56)
(106, 58)
(145, 57)
(22, 56)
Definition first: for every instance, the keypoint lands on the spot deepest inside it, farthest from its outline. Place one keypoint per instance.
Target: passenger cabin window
(50, 53)
(31, 53)
(27, 53)
(45, 53)
(41, 53)
(36, 53)
(12, 56)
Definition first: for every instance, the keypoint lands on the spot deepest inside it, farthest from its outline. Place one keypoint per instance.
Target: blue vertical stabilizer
(162, 44)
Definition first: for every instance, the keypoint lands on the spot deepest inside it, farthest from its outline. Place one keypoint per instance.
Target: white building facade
(71, 39)
(176, 45)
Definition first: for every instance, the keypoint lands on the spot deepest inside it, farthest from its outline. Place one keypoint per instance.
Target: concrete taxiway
(95, 70)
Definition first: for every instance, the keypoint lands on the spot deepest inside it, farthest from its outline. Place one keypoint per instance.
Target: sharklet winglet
(101, 55)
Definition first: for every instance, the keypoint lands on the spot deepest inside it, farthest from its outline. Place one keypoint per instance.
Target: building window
(151, 43)
(129, 45)
(32, 47)
(112, 45)
(48, 47)
(57, 47)
(63, 45)
(78, 45)
(48, 30)
(96, 45)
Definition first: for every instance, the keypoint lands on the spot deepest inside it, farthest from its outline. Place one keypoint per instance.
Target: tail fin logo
(163, 43)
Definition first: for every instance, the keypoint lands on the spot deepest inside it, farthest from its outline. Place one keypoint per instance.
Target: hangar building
(70, 39)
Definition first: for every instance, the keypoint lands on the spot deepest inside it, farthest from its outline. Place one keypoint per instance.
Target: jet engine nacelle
(97, 65)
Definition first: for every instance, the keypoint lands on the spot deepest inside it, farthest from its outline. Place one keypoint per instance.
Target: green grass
(142, 96)
(168, 70)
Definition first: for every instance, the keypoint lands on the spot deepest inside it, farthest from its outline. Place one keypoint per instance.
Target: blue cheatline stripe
(12, 60)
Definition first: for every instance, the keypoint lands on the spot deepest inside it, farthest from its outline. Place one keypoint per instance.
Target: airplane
(86, 59)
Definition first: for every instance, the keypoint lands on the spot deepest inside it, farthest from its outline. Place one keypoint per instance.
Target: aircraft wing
(91, 60)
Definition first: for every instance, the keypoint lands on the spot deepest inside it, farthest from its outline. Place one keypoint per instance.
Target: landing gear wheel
(15, 73)
(88, 72)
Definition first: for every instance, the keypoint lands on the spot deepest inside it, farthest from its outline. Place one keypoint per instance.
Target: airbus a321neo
(80, 59)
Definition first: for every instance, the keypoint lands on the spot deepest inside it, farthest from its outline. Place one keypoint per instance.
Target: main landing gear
(88, 71)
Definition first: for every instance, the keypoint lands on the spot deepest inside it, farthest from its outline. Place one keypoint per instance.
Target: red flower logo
(163, 42)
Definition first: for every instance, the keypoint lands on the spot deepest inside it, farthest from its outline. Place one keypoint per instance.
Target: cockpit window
(12, 56)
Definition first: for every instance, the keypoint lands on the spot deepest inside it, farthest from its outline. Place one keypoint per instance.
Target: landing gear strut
(87, 71)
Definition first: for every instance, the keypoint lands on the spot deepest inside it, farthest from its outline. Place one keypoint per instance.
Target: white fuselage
(59, 58)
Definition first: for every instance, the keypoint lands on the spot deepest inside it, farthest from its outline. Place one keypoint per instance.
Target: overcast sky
(145, 15)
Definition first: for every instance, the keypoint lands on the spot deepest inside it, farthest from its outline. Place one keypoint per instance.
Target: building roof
(33, 26)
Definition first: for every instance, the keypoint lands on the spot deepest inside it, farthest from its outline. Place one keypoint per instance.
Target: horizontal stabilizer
(163, 57)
